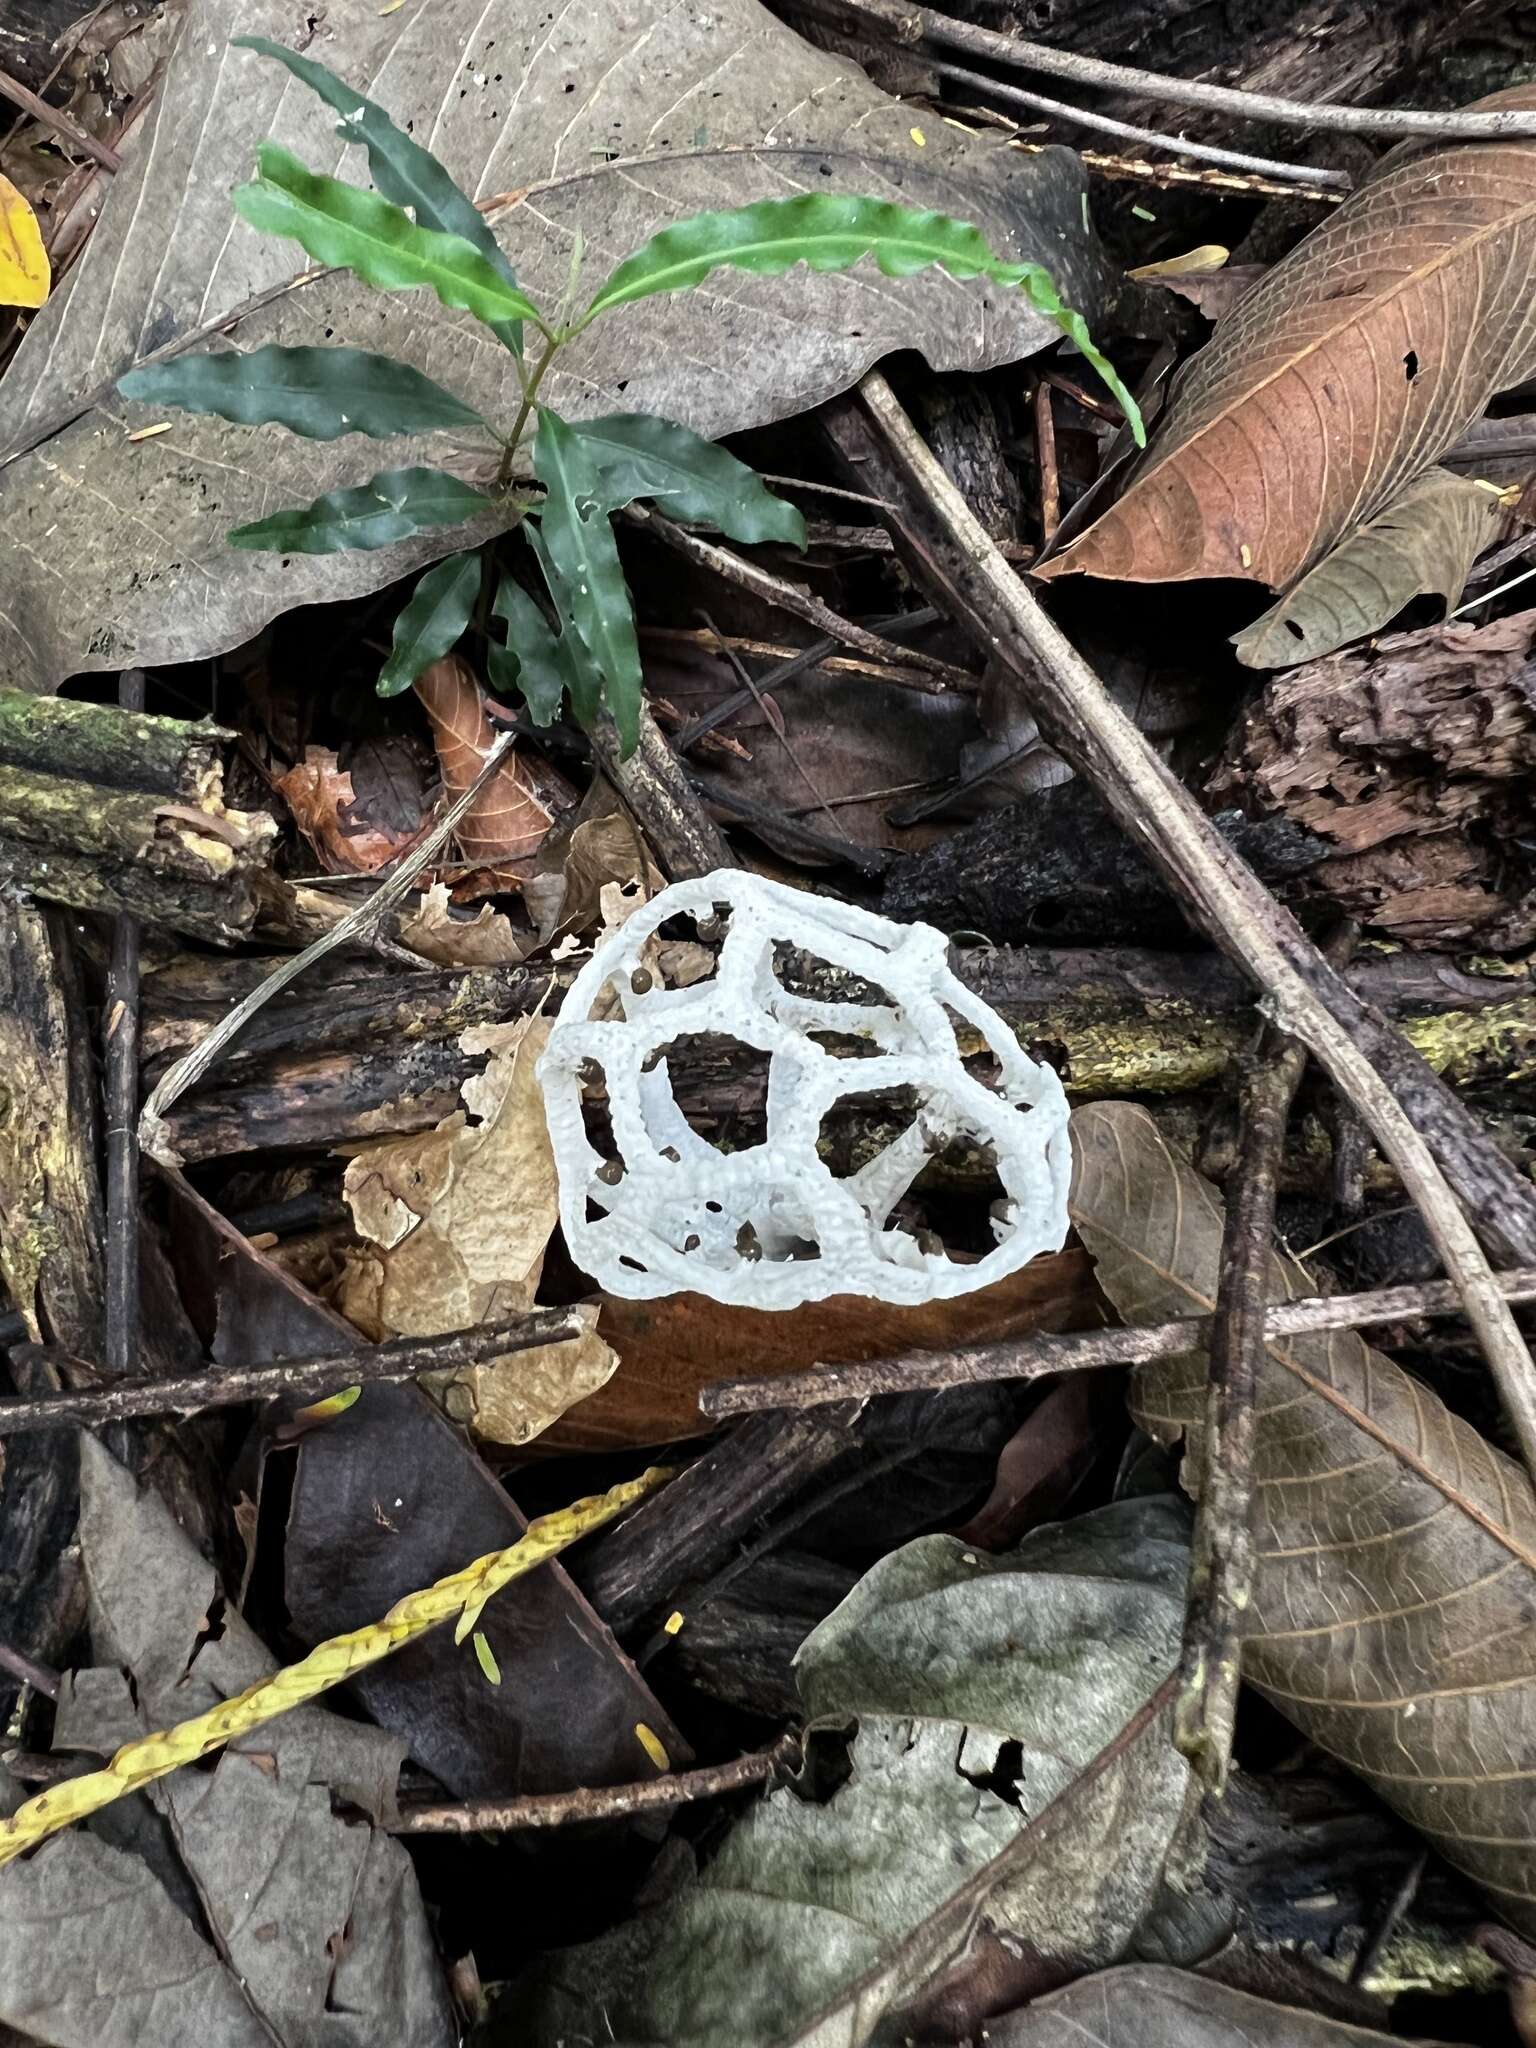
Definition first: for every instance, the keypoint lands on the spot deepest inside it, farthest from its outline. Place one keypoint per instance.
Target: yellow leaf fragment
(485, 1657)
(24, 270)
(1194, 263)
(329, 1408)
(653, 1746)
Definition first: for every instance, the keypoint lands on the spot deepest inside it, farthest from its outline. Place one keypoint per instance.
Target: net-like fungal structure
(831, 1002)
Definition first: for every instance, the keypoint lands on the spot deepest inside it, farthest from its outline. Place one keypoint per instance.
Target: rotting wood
(1429, 1135)
(1033, 1358)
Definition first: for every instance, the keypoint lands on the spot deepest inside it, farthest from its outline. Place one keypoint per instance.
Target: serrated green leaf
(432, 621)
(832, 231)
(534, 661)
(403, 171)
(318, 392)
(590, 591)
(389, 507)
(358, 231)
(640, 456)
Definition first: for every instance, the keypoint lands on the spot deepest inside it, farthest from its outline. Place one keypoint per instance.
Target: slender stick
(1045, 451)
(41, 1677)
(601, 1802)
(67, 130)
(401, 1358)
(1179, 145)
(1307, 1000)
(913, 25)
(121, 1062)
(174, 1083)
(970, 1365)
(1221, 1567)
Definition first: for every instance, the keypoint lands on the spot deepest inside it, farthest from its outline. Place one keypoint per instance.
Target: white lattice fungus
(660, 1210)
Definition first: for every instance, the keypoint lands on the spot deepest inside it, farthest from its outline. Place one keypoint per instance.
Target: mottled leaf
(1424, 541)
(640, 456)
(1150, 2006)
(432, 621)
(833, 231)
(389, 507)
(591, 591)
(403, 171)
(814, 1921)
(318, 392)
(1354, 364)
(375, 239)
(1393, 1608)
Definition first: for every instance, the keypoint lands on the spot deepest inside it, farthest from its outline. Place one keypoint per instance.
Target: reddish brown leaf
(508, 820)
(1355, 364)
(320, 794)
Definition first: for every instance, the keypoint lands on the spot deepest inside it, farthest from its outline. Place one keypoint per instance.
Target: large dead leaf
(1150, 2006)
(1354, 364)
(508, 820)
(460, 1217)
(308, 1925)
(609, 126)
(1393, 1609)
(812, 1922)
(1423, 541)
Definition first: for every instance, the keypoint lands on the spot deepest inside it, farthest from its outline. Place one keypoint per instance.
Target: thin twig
(1179, 145)
(601, 1802)
(68, 131)
(914, 25)
(751, 685)
(41, 1677)
(1306, 999)
(1032, 1358)
(776, 590)
(154, 1138)
(401, 1358)
(120, 1030)
(1045, 454)
(1222, 1558)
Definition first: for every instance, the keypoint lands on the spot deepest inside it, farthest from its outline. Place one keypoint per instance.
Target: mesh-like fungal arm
(836, 1002)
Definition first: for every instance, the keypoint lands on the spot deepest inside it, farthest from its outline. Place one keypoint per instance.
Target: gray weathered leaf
(1424, 541)
(814, 1921)
(1148, 2006)
(1394, 1608)
(317, 1924)
(116, 552)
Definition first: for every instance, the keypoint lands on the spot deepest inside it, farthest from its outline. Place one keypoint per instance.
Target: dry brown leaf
(673, 1347)
(1423, 542)
(1355, 364)
(484, 940)
(1395, 1596)
(320, 794)
(1213, 292)
(604, 851)
(459, 1218)
(508, 821)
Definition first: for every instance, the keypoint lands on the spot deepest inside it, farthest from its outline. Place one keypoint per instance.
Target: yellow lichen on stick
(461, 1596)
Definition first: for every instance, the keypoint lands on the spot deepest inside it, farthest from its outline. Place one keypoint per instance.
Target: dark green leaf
(831, 231)
(318, 392)
(389, 507)
(534, 661)
(403, 171)
(432, 621)
(579, 672)
(359, 231)
(591, 589)
(640, 456)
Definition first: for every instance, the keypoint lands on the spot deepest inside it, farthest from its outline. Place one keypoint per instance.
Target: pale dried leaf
(1150, 2006)
(1423, 542)
(1212, 292)
(461, 1217)
(509, 819)
(436, 932)
(650, 113)
(1355, 364)
(1393, 1608)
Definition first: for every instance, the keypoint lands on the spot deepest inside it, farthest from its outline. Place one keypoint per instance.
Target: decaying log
(116, 811)
(368, 1052)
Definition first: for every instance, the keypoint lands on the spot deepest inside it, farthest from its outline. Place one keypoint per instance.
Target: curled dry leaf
(1353, 365)
(1423, 542)
(459, 1218)
(437, 932)
(1395, 1595)
(320, 794)
(509, 819)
